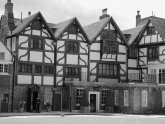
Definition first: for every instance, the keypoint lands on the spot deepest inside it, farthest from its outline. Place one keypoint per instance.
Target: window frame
(27, 67)
(38, 69)
(70, 47)
(79, 95)
(150, 30)
(153, 53)
(67, 75)
(112, 74)
(144, 102)
(126, 98)
(36, 43)
(48, 69)
(104, 95)
(116, 97)
(110, 47)
(2, 55)
(3, 68)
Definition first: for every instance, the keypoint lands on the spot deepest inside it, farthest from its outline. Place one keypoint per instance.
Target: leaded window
(4, 68)
(72, 72)
(36, 44)
(25, 68)
(38, 69)
(48, 69)
(153, 53)
(2, 56)
(109, 35)
(110, 47)
(144, 98)
(151, 30)
(104, 94)
(72, 47)
(79, 95)
(108, 70)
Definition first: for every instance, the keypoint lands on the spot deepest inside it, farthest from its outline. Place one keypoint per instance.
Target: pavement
(63, 113)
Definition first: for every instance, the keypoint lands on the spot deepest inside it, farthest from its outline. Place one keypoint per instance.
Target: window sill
(4, 74)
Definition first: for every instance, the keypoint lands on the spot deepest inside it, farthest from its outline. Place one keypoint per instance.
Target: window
(4, 68)
(36, 25)
(2, 56)
(79, 95)
(144, 99)
(72, 47)
(104, 94)
(108, 70)
(151, 31)
(163, 98)
(36, 44)
(161, 76)
(110, 47)
(126, 98)
(153, 53)
(109, 34)
(72, 72)
(116, 97)
(25, 68)
(38, 69)
(48, 69)
(73, 29)
(133, 52)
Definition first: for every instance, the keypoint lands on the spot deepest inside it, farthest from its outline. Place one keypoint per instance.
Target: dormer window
(153, 53)
(151, 31)
(36, 25)
(73, 29)
(110, 47)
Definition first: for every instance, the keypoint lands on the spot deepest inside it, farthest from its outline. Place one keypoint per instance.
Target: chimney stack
(138, 17)
(104, 14)
(29, 13)
(9, 14)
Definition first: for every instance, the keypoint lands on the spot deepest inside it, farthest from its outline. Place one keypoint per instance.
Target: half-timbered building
(30, 40)
(146, 62)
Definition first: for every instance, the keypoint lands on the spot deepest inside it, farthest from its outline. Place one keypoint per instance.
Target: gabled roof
(134, 32)
(158, 23)
(95, 29)
(62, 26)
(21, 25)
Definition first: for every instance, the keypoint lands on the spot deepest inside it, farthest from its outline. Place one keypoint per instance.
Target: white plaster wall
(143, 52)
(43, 34)
(13, 43)
(144, 59)
(37, 80)
(133, 71)
(49, 55)
(83, 45)
(22, 52)
(147, 39)
(95, 46)
(36, 32)
(8, 44)
(59, 79)
(132, 63)
(36, 56)
(162, 58)
(94, 55)
(106, 27)
(83, 74)
(24, 79)
(92, 78)
(121, 58)
(98, 38)
(59, 44)
(122, 48)
(80, 38)
(159, 38)
(118, 39)
(108, 57)
(48, 80)
(124, 67)
(28, 32)
(49, 42)
(59, 68)
(72, 59)
(72, 36)
(85, 58)
(23, 39)
(8, 56)
(59, 56)
(93, 65)
(153, 38)
(111, 27)
(142, 41)
(161, 48)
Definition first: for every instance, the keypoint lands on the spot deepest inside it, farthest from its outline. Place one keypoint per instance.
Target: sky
(88, 11)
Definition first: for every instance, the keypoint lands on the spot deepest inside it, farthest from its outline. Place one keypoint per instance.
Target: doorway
(94, 100)
(35, 96)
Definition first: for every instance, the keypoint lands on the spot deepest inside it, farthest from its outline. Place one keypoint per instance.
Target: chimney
(29, 13)
(9, 14)
(104, 14)
(138, 17)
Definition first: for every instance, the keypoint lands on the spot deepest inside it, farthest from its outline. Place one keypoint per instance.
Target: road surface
(84, 119)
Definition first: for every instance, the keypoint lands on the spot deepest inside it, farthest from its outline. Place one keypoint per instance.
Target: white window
(79, 95)
(144, 98)
(163, 98)
(104, 95)
(161, 76)
(4, 68)
(126, 98)
(2, 56)
(116, 97)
